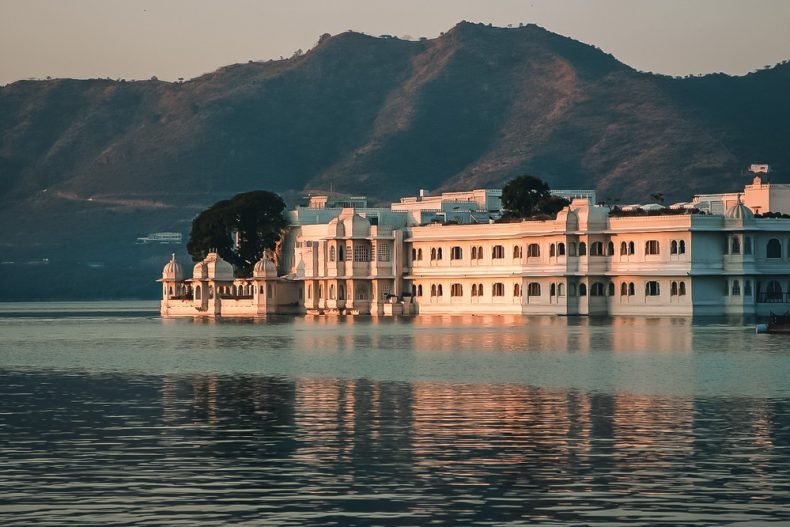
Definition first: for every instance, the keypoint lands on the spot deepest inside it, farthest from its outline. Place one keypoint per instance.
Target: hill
(86, 166)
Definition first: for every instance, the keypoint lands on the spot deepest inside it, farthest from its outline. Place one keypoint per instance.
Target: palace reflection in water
(272, 450)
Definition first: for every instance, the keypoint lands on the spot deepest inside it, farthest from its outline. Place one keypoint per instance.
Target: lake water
(110, 415)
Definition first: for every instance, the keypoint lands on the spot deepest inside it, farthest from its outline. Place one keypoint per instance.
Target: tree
(527, 196)
(256, 218)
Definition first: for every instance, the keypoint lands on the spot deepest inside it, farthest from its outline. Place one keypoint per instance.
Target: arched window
(736, 288)
(623, 248)
(533, 250)
(170, 291)
(341, 292)
(474, 254)
(341, 253)
(610, 249)
(774, 291)
(631, 289)
(516, 290)
(623, 289)
(413, 255)
(597, 289)
(479, 289)
(211, 292)
(433, 253)
(331, 292)
(198, 292)
(582, 289)
(631, 248)
(456, 290)
(773, 249)
(433, 289)
(611, 288)
(652, 247)
(747, 245)
(552, 251)
(673, 247)
(516, 251)
(596, 249)
(682, 247)
(260, 290)
(533, 289)
(456, 253)
(497, 252)
(474, 289)
(673, 289)
(560, 289)
(652, 288)
(479, 252)
(332, 253)
(498, 289)
(736, 245)
(413, 290)
(561, 249)
(439, 290)
(419, 254)
(553, 290)
(682, 290)
(439, 253)
(419, 290)
(582, 251)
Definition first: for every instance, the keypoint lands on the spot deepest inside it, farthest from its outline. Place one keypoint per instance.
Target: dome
(200, 272)
(264, 268)
(739, 211)
(173, 270)
(217, 268)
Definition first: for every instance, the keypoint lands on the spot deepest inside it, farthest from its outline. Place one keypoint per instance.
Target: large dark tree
(256, 217)
(528, 196)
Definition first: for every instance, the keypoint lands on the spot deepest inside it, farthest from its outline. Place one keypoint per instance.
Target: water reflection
(86, 449)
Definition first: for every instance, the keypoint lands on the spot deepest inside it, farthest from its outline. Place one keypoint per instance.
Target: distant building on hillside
(761, 196)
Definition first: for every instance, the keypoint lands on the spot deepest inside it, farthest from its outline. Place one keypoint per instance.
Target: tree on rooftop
(527, 196)
(256, 218)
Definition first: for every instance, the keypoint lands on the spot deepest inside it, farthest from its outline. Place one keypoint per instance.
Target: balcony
(773, 298)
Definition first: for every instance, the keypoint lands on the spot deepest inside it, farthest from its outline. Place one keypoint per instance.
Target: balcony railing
(773, 298)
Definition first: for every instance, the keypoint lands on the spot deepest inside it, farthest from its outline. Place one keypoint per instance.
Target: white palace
(718, 254)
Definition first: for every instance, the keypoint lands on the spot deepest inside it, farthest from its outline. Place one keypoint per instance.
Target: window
(582, 250)
(433, 289)
(533, 289)
(774, 291)
(561, 249)
(560, 289)
(341, 254)
(384, 252)
(682, 248)
(439, 253)
(361, 252)
(497, 252)
(533, 250)
(773, 249)
(331, 292)
(623, 248)
(341, 292)
(419, 254)
(419, 290)
(631, 248)
(736, 288)
(332, 253)
(652, 247)
(747, 245)
(611, 288)
(673, 248)
(309, 291)
(474, 289)
(610, 249)
(516, 251)
(596, 249)
(736, 245)
(553, 290)
(516, 290)
(474, 254)
(456, 253)
(413, 290)
(623, 289)
(582, 289)
(479, 289)
(682, 291)
(456, 290)
(479, 252)
(433, 253)
(498, 289)
(320, 291)
(596, 289)
(747, 288)
(413, 255)
(631, 289)
(673, 289)
(439, 290)
(652, 288)
(552, 250)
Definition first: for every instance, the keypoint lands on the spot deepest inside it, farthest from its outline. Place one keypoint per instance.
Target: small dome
(200, 272)
(217, 268)
(264, 268)
(739, 211)
(173, 270)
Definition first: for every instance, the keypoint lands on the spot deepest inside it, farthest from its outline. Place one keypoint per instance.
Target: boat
(776, 324)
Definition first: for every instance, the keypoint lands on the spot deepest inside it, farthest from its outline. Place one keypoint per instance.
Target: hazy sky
(184, 38)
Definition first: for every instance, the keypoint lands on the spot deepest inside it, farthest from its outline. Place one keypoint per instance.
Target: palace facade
(448, 254)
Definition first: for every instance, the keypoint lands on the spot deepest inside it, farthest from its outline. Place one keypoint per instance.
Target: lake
(111, 415)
